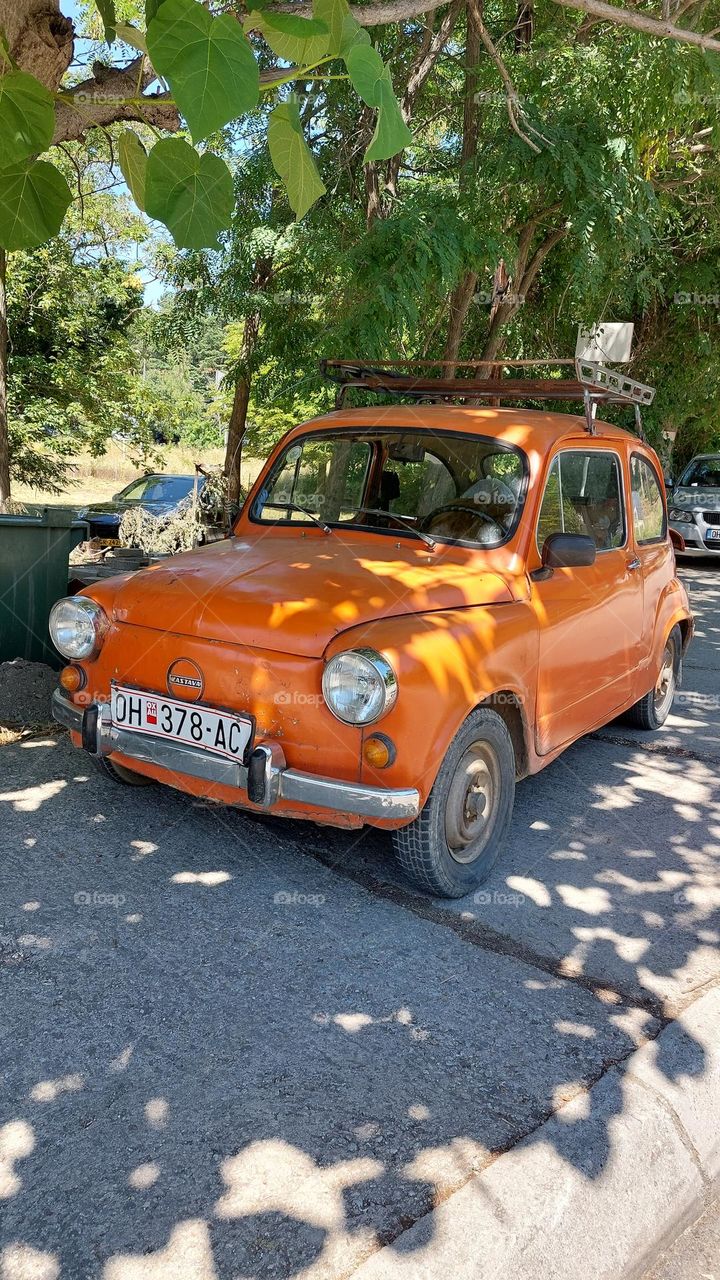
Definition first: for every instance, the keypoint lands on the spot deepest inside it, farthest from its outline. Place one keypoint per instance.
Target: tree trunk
(238, 416)
(4, 438)
(462, 294)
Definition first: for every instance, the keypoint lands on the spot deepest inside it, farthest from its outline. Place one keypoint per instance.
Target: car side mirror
(116, 497)
(669, 482)
(568, 551)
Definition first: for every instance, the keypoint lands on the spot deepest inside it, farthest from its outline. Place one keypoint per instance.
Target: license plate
(219, 732)
(107, 542)
(713, 535)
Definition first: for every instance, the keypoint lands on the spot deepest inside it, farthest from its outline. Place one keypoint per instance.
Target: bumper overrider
(264, 780)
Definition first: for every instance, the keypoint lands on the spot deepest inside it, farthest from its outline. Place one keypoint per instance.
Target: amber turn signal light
(379, 751)
(73, 679)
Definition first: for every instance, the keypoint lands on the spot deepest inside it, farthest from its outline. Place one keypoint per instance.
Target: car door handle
(634, 563)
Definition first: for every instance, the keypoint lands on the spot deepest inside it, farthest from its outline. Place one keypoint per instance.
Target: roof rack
(593, 383)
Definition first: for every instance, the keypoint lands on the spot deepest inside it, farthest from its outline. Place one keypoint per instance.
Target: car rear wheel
(119, 773)
(453, 844)
(652, 711)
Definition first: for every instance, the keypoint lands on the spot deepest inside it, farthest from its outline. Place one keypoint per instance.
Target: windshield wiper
(295, 506)
(404, 521)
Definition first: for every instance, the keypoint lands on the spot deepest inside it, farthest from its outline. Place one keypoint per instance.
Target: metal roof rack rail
(593, 383)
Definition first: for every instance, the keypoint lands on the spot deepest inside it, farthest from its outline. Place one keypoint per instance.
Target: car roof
(530, 429)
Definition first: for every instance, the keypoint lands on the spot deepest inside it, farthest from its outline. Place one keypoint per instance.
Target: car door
(590, 620)
(657, 564)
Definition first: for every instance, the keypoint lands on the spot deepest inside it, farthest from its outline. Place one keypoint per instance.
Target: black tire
(119, 773)
(438, 850)
(652, 711)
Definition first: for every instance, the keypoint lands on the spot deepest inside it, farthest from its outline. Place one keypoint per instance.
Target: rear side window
(648, 508)
(583, 494)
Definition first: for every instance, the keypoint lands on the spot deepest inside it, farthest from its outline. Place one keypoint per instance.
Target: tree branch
(640, 22)
(103, 100)
(514, 105)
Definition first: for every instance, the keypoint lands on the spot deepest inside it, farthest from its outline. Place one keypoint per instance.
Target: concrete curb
(599, 1189)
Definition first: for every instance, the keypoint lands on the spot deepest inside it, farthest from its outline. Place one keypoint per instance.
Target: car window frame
(649, 542)
(393, 430)
(583, 448)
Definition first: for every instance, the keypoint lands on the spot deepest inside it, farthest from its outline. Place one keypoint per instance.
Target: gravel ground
(25, 692)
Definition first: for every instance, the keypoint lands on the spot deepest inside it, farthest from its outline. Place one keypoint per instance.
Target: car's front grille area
(711, 517)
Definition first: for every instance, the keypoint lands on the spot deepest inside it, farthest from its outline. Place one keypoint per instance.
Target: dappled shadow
(234, 1061)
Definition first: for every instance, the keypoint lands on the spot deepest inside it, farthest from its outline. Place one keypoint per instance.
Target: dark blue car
(159, 494)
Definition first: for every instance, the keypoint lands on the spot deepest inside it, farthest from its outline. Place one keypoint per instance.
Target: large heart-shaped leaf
(207, 61)
(33, 202)
(371, 80)
(303, 41)
(333, 13)
(192, 194)
(27, 117)
(293, 159)
(133, 163)
(106, 9)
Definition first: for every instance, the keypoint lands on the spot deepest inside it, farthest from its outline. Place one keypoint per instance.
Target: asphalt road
(239, 1047)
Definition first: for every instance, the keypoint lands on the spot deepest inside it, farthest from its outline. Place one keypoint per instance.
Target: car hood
(696, 499)
(117, 508)
(293, 594)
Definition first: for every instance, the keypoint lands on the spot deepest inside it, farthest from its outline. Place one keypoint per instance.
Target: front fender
(446, 663)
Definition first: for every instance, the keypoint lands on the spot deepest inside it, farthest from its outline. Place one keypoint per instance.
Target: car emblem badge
(185, 679)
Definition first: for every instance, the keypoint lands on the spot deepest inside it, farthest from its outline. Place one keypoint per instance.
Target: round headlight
(359, 686)
(77, 627)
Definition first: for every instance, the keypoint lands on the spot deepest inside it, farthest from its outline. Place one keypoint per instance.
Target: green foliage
(71, 363)
(372, 82)
(303, 41)
(132, 157)
(293, 159)
(207, 61)
(192, 194)
(33, 202)
(27, 117)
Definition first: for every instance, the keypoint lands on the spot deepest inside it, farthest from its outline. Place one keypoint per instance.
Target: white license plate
(219, 732)
(713, 535)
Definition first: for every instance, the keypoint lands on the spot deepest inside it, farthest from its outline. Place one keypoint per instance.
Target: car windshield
(454, 487)
(158, 489)
(703, 473)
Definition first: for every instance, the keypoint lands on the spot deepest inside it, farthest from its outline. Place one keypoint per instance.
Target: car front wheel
(452, 845)
(119, 773)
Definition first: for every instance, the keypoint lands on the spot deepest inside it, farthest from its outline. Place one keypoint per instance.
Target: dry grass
(97, 479)
(13, 733)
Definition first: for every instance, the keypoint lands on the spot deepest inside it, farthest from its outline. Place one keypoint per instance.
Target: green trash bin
(34, 554)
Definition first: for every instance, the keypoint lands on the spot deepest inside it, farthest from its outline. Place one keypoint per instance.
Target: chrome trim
(65, 712)
(386, 673)
(281, 783)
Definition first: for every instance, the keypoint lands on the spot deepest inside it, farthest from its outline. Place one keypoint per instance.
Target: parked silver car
(694, 505)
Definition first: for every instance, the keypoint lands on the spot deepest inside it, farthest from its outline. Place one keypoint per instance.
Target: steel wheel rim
(472, 803)
(665, 686)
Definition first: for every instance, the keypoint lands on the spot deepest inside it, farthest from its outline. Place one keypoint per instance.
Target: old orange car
(418, 605)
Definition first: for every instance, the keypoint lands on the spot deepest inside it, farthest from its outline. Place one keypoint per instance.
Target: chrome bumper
(265, 780)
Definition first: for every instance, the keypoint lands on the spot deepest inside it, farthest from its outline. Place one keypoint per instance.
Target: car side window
(583, 494)
(648, 508)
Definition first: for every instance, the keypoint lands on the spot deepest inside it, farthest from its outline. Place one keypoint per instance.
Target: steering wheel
(452, 506)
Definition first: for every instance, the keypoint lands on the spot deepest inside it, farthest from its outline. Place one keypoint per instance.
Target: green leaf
(33, 202)
(192, 194)
(27, 117)
(133, 163)
(371, 80)
(352, 34)
(131, 35)
(207, 61)
(151, 8)
(106, 9)
(334, 13)
(303, 41)
(292, 158)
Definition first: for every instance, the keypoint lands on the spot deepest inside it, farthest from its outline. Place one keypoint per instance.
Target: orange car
(418, 605)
